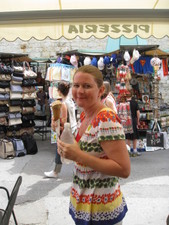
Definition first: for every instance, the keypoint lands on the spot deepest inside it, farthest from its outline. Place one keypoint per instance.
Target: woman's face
(85, 90)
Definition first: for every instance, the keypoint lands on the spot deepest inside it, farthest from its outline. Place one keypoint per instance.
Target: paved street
(43, 201)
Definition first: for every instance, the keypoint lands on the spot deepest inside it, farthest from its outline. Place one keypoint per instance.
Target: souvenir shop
(135, 68)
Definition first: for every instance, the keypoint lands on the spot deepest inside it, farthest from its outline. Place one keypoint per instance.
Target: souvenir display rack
(17, 96)
(55, 73)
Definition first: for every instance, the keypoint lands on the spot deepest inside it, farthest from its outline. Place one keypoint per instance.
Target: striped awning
(69, 19)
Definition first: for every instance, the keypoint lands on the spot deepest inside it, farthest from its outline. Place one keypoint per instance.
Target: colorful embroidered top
(96, 198)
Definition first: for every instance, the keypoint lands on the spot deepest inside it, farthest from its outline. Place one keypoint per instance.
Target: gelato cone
(56, 107)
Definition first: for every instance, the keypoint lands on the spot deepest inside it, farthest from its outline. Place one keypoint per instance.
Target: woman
(100, 154)
(67, 114)
(108, 97)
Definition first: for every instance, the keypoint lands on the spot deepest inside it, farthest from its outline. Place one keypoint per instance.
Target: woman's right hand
(68, 151)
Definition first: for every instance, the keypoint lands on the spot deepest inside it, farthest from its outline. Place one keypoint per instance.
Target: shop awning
(69, 19)
(16, 57)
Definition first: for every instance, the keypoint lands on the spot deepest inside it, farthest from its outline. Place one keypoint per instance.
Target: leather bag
(4, 90)
(14, 109)
(6, 149)
(15, 95)
(28, 103)
(15, 78)
(3, 121)
(28, 89)
(29, 95)
(28, 73)
(26, 110)
(18, 68)
(29, 82)
(5, 77)
(16, 88)
(14, 121)
(4, 96)
(4, 84)
(16, 102)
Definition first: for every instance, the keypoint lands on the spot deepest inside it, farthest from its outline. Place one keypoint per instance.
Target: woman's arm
(118, 163)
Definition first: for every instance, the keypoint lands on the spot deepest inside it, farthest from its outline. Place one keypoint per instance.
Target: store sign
(106, 29)
(70, 30)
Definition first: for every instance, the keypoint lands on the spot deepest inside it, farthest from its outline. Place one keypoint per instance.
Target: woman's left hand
(68, 151)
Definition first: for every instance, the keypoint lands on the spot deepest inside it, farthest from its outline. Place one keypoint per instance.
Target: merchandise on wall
(17, 99)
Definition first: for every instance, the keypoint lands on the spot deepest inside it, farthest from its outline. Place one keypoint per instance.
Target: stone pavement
(44, 201)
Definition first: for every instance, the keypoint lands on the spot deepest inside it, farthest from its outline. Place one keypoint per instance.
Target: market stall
(17, 100)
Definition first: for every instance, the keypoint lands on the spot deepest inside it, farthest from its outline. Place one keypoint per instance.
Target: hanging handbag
(14, 121)
(3, 114)
(16, 82)
(15, 78)
(29, 82)
(18, 69)
(28, 103)
(4, 96)
(26, 110)
(29, 116)
(6, 149)
(3, 121)
(28, 89)
(14, 128)
(4, 90)
(4, 108)
(14, 109)
(16, 115)
(28, 73)
(5, 69)
(16, 102)
(5, 77)
(28, 121)
(15, 95)
(29, 95)
(4, 84)
(16, 88)
(18, 74)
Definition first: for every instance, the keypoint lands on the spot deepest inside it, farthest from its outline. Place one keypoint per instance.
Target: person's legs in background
(135, 152)
(43, 109)
(58, 165)
(128, 142)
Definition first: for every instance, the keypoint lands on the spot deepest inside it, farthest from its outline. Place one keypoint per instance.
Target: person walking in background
(108, 98)
(135, 115)
(67, 115)
(99, 153)
(42, 98)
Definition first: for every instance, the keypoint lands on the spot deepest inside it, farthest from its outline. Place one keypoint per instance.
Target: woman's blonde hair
(94, 71)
